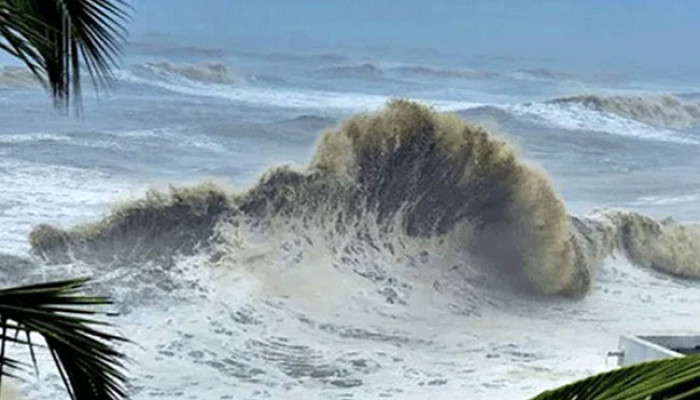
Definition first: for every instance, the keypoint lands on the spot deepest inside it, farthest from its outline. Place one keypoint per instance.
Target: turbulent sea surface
(275, 226)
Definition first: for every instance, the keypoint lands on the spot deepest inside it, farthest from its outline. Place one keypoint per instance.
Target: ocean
(357, 225)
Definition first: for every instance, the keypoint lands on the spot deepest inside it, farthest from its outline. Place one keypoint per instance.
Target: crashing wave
(663, 111)
(205, 73)
(405, 175)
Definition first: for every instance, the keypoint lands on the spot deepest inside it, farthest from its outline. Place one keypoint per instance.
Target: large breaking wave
(391, 185)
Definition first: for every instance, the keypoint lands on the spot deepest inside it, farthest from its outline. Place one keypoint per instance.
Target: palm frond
(90, 366)
(55, 37)
(669, 379)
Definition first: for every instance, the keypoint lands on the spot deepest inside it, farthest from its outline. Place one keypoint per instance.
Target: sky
(652, 34)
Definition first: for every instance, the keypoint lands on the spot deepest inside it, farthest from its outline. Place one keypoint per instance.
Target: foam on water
(301, 98)
(33, 137)
(34, 193)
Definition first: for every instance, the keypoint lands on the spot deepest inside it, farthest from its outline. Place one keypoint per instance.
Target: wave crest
(663, 111)
(434, 172)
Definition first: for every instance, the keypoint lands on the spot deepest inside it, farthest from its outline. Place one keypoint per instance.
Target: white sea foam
(286, 98)
(33, 137)
(34, 192)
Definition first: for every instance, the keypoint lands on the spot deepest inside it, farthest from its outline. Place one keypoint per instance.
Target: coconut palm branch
(54, 37)
(85, 356)
(669, 379)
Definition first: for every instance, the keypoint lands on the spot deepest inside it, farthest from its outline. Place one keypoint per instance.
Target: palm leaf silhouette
(669, 379)
(53, 38)
(88, 363)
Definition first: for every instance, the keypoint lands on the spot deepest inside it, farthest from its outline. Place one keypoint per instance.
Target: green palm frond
(669, 379)
(84, 354)
(54, 37)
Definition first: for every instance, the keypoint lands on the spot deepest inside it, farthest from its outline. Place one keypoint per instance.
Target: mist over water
(429, 204)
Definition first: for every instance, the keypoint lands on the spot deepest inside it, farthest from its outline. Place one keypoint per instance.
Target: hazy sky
(645, 33)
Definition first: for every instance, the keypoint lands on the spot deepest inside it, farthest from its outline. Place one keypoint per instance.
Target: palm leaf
(54, 37)
(85, 356)
(669, 379)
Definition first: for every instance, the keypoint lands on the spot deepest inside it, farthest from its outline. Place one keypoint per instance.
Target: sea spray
(434, 172)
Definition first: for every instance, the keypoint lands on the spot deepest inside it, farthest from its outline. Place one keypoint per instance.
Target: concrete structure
(636, 349)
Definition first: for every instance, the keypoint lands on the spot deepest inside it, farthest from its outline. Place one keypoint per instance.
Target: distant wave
(369, 71)
(205, 73)
(307, 122)
(665, 111)
(330, 58)
(575, 117)
(656, 118)
(395, 185)
(284, 98)
(173, 49)
(571, 113)
(384, 50)
(544, 73)
(475, 74)
(666, 200)
(17, 77)
(362, 71)
(435, 72)
(688, 96)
